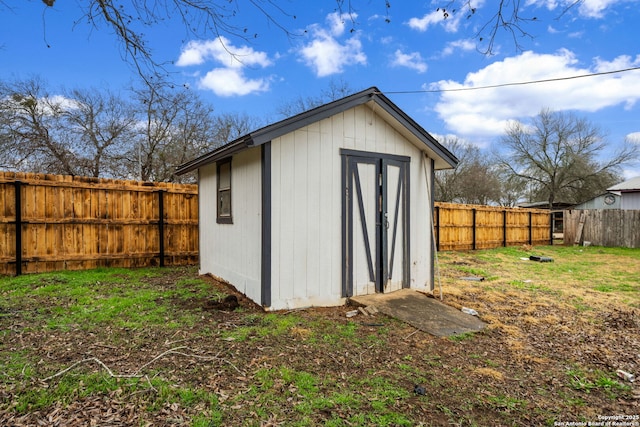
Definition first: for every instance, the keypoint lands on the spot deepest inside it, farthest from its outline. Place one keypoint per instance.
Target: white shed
(331, 203)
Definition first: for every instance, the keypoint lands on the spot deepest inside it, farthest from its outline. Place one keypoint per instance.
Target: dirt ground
(537, 363)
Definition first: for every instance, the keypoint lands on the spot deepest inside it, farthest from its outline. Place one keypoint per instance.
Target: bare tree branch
(507, 17)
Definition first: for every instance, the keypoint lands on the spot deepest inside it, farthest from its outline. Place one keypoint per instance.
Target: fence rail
(53, 222)
(464, 227)
(603, 227)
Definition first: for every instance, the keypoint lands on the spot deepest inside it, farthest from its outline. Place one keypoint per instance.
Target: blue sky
(411, 58)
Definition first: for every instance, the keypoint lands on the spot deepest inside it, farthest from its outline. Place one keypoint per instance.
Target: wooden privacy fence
(602, 227)
(463, 227)
(52, 222)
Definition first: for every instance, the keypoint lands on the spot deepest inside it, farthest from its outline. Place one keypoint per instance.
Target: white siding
(598, 203)
(306, 262)
(421, 224)
(307, 197)
(233, 251)
(630, 201)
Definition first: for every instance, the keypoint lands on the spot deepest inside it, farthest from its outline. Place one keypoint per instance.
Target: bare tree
(198, 132)
(506, 16)
(513, 189)
(173, 126)
(29, 117)
(129, 21)
(562, 155)
(99, 127)
(473, 181)
(99, 133)
(78, 132)
(230, 126)
(335, 90)
(158, 111)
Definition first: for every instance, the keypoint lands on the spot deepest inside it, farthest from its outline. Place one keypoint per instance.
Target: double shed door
(375, 222)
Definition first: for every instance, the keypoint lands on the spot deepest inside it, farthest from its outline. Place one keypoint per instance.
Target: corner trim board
(265, 280)
(434, 246)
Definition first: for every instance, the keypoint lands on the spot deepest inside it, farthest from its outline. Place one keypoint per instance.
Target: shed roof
(631, 185)
(404, 124)
(545, 205)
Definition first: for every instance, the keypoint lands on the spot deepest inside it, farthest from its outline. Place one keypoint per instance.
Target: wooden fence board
(465, 227)
(80, 223)
(603, 227)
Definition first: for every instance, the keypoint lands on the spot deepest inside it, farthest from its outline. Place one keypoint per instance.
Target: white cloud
(549, 4)
(620, 63)
(629, 173)
(465, 45)
(451, 23)
(230, 79)
(587, 8)
(485, 112)
(595, 8)
(423, 24)
(633, 137)
(326, 54)
(222, 51)
(231, 82)
(411, 60)
(47, 105)
(60, 102)
(337, 23)
(552, 30)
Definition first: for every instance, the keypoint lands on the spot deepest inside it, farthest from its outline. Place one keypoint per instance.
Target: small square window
(224, 192)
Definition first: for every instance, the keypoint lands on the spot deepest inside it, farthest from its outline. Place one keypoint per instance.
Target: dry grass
(582, 278)
(557, 332)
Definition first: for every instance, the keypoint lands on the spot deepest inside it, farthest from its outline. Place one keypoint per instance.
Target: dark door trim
(380, 256)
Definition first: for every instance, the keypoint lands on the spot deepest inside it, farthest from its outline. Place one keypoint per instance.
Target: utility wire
(557, 79)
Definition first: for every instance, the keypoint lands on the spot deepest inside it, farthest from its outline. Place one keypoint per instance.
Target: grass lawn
(144, 347)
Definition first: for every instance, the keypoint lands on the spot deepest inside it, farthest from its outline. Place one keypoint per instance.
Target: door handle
(386, 220)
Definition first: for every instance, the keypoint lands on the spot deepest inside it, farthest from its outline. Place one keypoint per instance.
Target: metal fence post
(161, 225)
(504, 228)
(474, 229)
(437, 228)
(18, 199)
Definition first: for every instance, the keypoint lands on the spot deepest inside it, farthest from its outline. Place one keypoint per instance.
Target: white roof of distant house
(630, 185)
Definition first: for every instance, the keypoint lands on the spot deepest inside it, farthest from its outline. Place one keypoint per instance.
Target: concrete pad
(424, 313)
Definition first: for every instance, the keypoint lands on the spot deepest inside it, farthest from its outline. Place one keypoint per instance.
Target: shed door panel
(375, 225)
(394, 227)
(366, 223)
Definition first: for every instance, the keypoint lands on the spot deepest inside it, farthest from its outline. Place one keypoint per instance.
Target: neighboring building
(333, 202)
(556, 210)
(629, 193)
(608, 200)
(625, 195)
